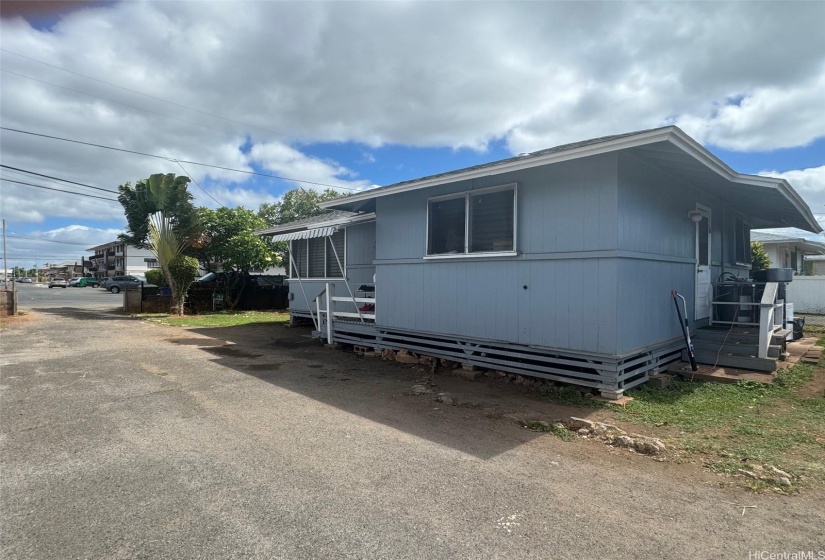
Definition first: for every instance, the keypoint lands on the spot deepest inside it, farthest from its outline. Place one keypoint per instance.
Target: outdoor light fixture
(695, 216)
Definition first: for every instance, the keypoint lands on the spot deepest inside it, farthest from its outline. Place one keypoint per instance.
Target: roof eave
(511, 164)
(286, 228)
(671, 134)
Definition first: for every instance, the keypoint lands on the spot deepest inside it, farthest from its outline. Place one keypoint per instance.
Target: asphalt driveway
(122, 439)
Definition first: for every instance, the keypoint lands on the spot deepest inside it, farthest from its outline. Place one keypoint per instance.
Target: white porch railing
(327, 313)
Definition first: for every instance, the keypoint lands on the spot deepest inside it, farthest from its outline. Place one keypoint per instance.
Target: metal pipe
(344, 274)
(301, 284)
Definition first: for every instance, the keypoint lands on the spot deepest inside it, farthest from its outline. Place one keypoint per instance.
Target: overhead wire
(235, 134)
(56, 178)
(199, 185)
(175, 160)
(57, 190)
(13, 234)
(148, 95)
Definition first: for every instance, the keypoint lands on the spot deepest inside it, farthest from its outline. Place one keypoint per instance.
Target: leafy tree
(159, 193)
(230, 241)
(295, 205)
(759, 258)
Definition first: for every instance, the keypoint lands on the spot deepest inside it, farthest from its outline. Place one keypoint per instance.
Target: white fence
(807, 293)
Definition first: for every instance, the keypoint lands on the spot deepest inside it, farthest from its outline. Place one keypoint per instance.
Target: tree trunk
(231, 302)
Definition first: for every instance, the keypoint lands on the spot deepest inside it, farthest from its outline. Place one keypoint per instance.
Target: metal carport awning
(306, 234)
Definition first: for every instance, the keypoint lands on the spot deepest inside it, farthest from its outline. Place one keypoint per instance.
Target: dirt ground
(123, 439)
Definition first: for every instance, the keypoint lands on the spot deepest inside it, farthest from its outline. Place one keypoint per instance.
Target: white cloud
(253, 82)
(312, 172)
(809, 183)
(65, 244)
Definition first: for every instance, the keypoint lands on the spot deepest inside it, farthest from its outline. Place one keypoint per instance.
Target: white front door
(703, 245)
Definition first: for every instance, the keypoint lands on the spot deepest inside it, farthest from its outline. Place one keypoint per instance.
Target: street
(39, 296)
(125, 439)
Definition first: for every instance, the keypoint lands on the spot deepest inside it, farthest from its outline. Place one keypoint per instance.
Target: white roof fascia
(641, 139)
(110, 243)
(672, 133)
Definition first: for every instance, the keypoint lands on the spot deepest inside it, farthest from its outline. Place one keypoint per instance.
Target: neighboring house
(817, 265)
(61, 270)
(67, 270)
(117, 258)
(558, 263)
(788, 251)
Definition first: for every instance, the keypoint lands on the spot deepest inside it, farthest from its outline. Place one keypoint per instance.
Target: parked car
(86, 281)
(24, 280)
(58, 283)
(117, 283)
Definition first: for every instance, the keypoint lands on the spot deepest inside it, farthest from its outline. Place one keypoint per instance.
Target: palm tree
(166, 246)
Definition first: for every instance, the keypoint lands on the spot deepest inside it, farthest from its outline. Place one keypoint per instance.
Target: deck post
(328, 296)
(766, 318)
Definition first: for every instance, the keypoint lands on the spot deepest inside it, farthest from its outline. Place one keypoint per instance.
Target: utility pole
(5, 259)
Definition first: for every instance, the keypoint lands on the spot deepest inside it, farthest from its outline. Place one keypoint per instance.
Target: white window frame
(327, 242)
(467, 196)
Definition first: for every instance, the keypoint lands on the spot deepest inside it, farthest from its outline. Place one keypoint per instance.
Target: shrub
(759, 258)
(183, 271)
(157, 277)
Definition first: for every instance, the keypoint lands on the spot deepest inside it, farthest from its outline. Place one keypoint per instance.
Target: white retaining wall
(807, 293)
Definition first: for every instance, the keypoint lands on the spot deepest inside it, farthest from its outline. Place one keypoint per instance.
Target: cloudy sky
(275, 95)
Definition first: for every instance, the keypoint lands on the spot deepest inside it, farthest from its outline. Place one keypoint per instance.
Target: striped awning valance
(306, 234)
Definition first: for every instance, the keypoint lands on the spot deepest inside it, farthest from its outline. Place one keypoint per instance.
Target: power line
(147, 95)
(58, 190)
(174, 160)
(121, 103)
(57, 179)
(199, 185)
(13, 234)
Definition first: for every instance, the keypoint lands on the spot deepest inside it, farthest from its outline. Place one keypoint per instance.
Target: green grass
(735, 424)
(729, 426)
(217, 319)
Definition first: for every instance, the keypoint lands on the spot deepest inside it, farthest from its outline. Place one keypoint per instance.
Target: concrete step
(737, 348)
(732, 360)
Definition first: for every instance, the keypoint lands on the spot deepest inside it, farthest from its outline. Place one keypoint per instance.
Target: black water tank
(773, 275)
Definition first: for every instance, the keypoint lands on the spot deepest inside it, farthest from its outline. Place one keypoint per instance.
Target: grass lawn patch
(218, 319)
(734, 425)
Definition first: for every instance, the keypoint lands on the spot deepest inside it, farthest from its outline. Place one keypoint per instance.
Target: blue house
(558, 263)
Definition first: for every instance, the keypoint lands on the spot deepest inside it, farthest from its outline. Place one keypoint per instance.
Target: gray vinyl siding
(566, 237)
(360, 252)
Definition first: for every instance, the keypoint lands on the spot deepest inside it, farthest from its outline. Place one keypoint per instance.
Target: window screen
(299, 255)
(487, 217)
(491, 221)
(317, 257)
(337, 241)
(446, 221)
(741, 239)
